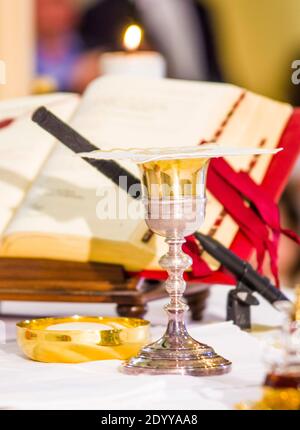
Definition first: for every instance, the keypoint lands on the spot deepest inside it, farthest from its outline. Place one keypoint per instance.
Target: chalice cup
(174, 200)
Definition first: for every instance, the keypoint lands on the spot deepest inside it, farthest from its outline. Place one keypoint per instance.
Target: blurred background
(61, 45)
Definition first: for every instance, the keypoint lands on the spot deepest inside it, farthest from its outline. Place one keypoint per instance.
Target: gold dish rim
(39, 343)
(40, 324)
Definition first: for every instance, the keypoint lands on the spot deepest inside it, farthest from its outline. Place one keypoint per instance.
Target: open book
(49, 197)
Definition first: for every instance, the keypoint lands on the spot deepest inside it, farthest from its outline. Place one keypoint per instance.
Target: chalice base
(177, 356)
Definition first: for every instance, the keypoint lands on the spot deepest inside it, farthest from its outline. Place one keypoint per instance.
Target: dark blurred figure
(179, 29)
(69, 45)
(61, 55)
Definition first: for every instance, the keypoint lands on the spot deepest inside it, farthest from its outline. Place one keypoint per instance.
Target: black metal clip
(239, 302)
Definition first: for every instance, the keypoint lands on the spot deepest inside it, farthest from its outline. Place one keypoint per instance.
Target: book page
(124, 112)
(24, 147)
(256, 122)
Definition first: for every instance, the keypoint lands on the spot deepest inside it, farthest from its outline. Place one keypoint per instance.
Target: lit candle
(132, 61)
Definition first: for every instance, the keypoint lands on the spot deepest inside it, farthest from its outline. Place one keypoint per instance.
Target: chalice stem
(176, 262)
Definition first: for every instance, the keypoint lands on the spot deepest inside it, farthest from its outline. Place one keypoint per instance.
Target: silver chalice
(174, 200)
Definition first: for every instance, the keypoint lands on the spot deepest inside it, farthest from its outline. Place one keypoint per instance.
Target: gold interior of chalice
(173, 179)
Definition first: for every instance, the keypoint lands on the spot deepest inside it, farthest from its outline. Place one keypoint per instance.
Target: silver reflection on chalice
(174, 200)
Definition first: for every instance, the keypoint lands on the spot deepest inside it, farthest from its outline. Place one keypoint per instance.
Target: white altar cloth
(98, 385)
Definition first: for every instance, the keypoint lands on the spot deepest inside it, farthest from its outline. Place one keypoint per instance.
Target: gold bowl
(40, 341)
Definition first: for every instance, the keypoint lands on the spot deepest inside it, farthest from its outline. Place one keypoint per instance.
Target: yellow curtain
(257, 40)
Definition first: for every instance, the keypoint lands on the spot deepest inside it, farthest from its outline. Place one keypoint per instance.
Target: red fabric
(199, 267)
(262, 217)
(6, 122)
(260, 222)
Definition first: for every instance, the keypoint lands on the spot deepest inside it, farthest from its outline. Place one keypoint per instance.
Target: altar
(99, 385)
(134, 150)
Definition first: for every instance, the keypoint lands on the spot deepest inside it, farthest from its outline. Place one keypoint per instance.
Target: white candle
(146, 64)
(131, 61)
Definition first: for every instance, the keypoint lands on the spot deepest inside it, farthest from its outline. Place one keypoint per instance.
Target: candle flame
(132, 37)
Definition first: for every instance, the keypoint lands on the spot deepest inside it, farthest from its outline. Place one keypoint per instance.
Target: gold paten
(77, 346)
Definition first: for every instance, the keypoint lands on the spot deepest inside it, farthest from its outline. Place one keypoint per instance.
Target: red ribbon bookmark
(252, 209)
